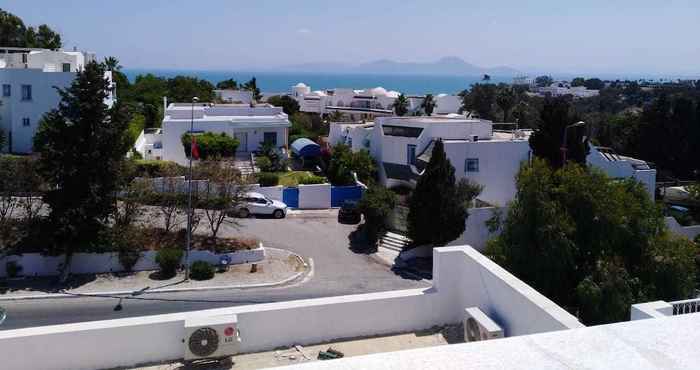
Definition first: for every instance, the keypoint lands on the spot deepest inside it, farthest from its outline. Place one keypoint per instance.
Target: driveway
(338, 271)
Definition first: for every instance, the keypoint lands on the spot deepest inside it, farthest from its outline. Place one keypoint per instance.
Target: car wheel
(243, 213)
(278, 213)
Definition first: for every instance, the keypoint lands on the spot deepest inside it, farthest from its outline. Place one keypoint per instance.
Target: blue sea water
(282, 82)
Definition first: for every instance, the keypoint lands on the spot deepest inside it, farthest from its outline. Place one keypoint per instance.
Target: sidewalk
(279, 267)
(313, 213)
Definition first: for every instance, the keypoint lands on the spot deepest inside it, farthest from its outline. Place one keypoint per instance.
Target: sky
(658, 37)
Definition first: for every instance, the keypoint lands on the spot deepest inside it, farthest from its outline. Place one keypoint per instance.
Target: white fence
(462, 278)
(35, 264)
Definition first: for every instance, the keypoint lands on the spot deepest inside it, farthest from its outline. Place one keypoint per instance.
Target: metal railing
(686, 306)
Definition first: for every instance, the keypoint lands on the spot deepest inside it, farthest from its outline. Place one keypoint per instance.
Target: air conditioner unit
(211, 337)
(478, 326)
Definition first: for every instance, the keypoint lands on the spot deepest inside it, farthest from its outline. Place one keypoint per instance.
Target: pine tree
(437, 209)
(82, 145)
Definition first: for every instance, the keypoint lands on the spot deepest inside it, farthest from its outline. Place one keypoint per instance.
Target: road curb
(308, 271)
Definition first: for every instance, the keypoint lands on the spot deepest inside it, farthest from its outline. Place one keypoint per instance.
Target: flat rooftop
(224, 112)
(664, 343)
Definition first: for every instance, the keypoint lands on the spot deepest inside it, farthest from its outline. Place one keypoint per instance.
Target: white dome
(378, 91)
(319, 93)
(300, 84)
(393, 94)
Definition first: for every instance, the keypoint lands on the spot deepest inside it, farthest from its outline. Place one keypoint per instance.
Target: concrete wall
(462, 278)
(272, 192)
(689, 232)
(35, 264)
(476, 233)
(316, 196)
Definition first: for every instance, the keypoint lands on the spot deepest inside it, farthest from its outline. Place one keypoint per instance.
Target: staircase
(244, 164)
(393, 241)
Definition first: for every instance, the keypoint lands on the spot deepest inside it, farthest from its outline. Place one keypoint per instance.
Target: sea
(282, 82)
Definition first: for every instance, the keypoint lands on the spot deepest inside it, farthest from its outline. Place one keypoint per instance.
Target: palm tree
(112, 64)
(506, 99)
(428, 104)
(400, 105)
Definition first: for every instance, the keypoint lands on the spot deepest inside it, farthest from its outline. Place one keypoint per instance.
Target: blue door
(290, 196)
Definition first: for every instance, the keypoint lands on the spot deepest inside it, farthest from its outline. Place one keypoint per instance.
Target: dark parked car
(349, 213)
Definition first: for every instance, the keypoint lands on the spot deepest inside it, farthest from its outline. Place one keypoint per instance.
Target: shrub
(201, 270)
(376, 205)
(168, 259)
(268, 179)
(211, 145)
(151, 168)
(264, 164)
(13, 269)
(311, 179)
(697, 239)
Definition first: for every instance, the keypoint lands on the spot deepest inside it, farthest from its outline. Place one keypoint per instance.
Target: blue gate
(340, 194)
(290, 196)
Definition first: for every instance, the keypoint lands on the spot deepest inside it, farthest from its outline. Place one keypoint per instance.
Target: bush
(168, 259)
(211, 145)
(264, 164)
(151, 168)
(697, 239)
(311, 180)
(376, 205)
(201, 270)
(13, 269)
(268, 179)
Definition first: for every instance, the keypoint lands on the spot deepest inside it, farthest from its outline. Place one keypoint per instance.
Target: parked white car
(258, 204)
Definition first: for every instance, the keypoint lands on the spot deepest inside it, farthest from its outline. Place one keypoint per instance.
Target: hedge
(211, 145)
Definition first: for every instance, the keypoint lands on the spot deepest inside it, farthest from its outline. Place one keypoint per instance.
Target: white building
(402, 147)
(28, 78)
(235, 96)
(250, 125)
(561, 88)
(367, 103)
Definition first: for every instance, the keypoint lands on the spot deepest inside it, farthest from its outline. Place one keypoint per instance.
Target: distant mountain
(444, 66)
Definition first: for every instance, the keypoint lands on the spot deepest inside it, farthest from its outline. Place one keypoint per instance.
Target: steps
(243, 164)
(394, 241)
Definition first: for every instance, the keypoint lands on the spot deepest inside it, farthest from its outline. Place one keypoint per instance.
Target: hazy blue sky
(591, 36)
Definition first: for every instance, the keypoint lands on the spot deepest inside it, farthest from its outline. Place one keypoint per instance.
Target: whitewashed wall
(34, 264)
(689, 232)
(272, 192)
(462, 278)
(315, 196)
(476, 233)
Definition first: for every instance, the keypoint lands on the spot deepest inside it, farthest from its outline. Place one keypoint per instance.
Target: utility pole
(189, 198)
(563, 147)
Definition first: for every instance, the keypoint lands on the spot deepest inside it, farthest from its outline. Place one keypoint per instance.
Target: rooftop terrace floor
(350, 347)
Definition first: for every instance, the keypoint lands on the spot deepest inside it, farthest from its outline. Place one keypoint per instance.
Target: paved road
(338, 271)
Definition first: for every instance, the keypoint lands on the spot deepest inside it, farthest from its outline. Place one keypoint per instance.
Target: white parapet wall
(35, 264)
(462, 278)
(316, 196)
(272, 192)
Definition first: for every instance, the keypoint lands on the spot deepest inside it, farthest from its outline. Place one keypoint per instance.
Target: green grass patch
(292, 178)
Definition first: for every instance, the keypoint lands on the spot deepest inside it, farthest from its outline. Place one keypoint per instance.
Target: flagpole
(189, 197)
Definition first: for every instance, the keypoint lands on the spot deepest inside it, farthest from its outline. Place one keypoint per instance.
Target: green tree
(428, 104)
(81, 145)
(149, 89)
(183, 88)
(543, 81)
(252, 86)
(590, 243)
(506, 98)
(229, 84)
(12, 30)
(151, 115)
(112, 64)
(480, 99)
(546, 141)
(437, 210)
(46, 38)
(376, 205)
(594, 84)
(288, 104)
(344, 162)
(400, 105)
(578, 81)
(486, 78)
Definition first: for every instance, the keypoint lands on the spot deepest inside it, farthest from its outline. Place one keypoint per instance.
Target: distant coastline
(281, 82)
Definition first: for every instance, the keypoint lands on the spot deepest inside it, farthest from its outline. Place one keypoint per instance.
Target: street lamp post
(189, 197)
(563, 140)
